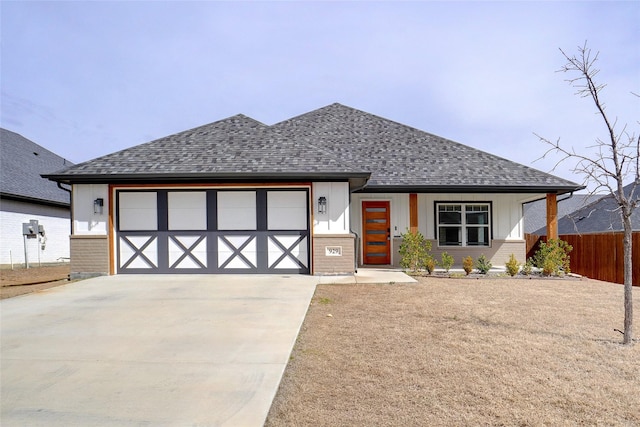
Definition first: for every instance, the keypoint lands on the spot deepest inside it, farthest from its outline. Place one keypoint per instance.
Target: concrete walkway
(154, 350)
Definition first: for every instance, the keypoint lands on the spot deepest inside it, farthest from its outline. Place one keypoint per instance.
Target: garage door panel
(288, 251)
(138, 211)
(138, 252)
(187, 252)
(237, 210)
(213, 231)
(287, 210)
(237, 252)
(187, 210)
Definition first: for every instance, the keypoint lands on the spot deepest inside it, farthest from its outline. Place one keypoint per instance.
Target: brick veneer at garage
(323, 264)
(89, 256)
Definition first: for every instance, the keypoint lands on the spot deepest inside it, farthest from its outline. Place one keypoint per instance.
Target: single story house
(25, 197)
(319, 193)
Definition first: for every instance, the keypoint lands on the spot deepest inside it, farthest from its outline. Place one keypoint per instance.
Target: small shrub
(483, 265)
(553, 257)
(430, 264)
(447, 261)
(527, 268)
(467, 264)
(414, 251)
(513, 266)
(550, 268)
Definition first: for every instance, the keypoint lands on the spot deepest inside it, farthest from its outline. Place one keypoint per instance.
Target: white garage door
(213, 231)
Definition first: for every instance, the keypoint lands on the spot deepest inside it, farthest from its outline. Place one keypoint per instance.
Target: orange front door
(376, 233)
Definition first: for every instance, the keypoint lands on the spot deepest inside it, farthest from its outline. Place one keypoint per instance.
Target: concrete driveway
(149, 350)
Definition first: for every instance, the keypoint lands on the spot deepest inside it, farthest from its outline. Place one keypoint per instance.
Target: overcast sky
(84, 79)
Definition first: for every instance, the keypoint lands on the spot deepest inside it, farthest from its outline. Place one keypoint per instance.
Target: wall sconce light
(97, 206)
(322, 205)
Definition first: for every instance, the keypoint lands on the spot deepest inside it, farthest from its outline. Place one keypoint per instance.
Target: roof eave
(20, 198)
(485, 189)
(206, 177)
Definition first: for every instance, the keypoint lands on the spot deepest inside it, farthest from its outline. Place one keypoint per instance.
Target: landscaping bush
(414, 251)
(430, 264)
(513, 266)
(467, 264)
(527, 268)
(553, 257)
(483, 265)
(447, 261)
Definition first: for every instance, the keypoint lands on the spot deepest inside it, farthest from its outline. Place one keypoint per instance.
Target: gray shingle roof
(401, 156)
(535, 213)
(21, 163)
(332, 141)
(601, 215)
(234, 147)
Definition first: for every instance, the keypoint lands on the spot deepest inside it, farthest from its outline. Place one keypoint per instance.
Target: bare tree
(609, 164)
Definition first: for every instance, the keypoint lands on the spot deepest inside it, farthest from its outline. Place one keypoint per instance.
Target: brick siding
(498, 253)
(89, 256)
(323, 264)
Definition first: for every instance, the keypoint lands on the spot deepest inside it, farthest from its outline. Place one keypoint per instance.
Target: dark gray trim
(260, 235)
(462, 202)
(212, 178)
(456, 189)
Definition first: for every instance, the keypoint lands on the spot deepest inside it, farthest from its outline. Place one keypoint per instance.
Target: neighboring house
(305, 195)
(26, 196)
(535, 213)
(601, 215)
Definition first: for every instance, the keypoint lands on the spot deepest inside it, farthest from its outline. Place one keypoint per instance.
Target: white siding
(336, 219)
(85, 221)
(506, 213)
(56, 225)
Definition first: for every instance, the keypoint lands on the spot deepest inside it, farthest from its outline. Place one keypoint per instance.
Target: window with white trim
(463, 224)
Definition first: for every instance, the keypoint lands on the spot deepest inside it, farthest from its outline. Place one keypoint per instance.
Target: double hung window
(463, 224)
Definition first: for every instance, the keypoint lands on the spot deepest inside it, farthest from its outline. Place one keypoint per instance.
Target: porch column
(413, 212)
(552, 216)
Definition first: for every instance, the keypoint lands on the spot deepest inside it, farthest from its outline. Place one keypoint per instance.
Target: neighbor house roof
(21, 163)
(601, 215)
(535, 213)
(329, 143)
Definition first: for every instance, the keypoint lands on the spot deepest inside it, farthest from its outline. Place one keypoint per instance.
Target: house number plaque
(333, 250)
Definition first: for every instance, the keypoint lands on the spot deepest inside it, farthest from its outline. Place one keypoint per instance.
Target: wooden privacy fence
(597, 256)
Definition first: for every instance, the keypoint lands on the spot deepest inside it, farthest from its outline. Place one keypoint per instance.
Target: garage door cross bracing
(263, 230)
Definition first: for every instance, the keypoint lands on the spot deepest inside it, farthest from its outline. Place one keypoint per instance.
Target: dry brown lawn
(463, 352)
(20, 281)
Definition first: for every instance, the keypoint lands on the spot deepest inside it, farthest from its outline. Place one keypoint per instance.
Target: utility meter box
(30, 229)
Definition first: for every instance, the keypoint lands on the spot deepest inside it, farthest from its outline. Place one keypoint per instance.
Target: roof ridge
(353, 167)
(173, 135)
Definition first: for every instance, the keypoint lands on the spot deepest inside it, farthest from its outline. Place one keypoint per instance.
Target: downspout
(566, 198)
(542, 198)
(70, 191)
(356, 250)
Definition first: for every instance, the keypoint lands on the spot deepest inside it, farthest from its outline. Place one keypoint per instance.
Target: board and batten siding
(89, 245)
(85, 221)
(507, 221)
(336, 220)
(333, 242)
